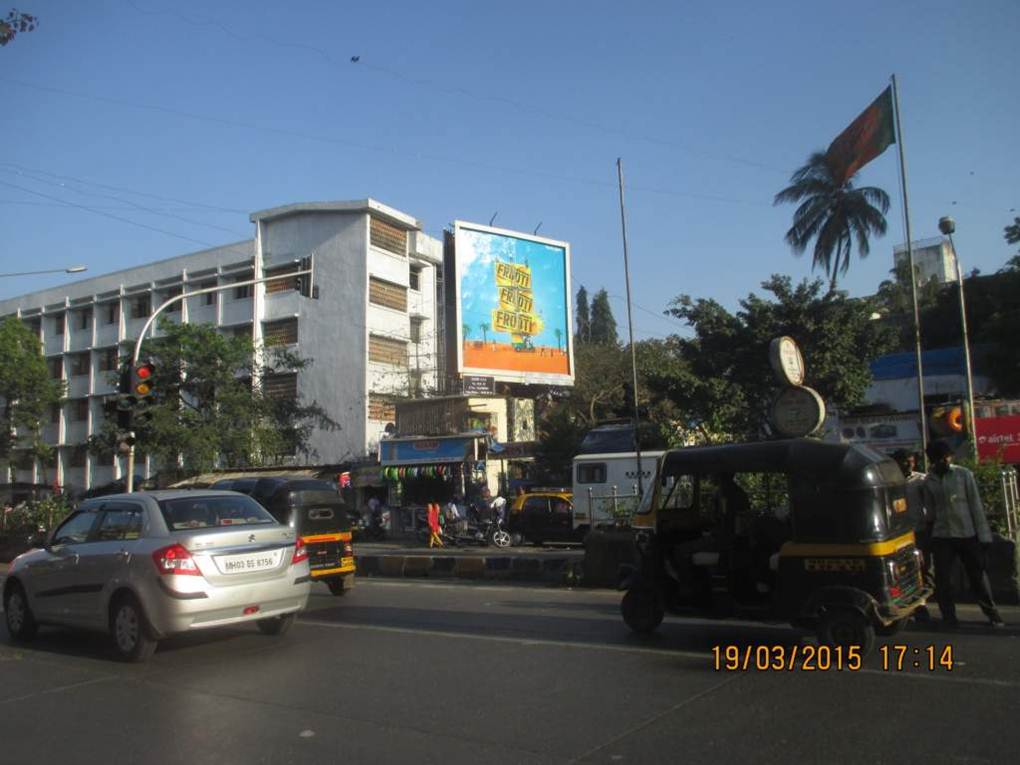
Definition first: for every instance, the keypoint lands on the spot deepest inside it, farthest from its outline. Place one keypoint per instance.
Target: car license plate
(243, 564)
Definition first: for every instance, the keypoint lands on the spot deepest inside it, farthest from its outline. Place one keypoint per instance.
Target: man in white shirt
(958, 529)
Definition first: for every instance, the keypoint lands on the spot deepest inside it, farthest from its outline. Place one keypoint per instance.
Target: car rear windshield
(206, 512)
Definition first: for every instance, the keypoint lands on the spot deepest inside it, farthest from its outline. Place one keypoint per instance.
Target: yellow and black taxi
(543, 514)
(317, 513)
(812, 533)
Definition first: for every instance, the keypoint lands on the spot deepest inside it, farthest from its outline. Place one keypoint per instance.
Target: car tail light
(175, 559)
(300, 551)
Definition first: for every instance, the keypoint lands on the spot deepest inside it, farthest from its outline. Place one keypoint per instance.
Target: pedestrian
(919, 517)
(959, 529)
(435, 540)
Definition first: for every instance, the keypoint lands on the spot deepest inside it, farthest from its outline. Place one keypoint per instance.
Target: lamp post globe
(947, 225)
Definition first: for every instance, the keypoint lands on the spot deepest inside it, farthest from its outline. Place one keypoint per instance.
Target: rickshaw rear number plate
(853, 565)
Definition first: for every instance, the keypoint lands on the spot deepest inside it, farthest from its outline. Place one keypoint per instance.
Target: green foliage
(16, 23)
(988, 474)
(205, 409)
(834, 215)
(603, 325)
(559, 439)
(582, 327)
(727, 385)
(39, 514)
(27, 392)
(1012, 231)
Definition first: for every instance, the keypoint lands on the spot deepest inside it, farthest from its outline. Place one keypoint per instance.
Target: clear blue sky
(458, 110)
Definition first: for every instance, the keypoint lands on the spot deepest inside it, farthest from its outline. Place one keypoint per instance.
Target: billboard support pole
(630, 328)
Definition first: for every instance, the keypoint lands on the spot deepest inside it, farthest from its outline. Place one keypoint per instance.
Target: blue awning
(426, 451)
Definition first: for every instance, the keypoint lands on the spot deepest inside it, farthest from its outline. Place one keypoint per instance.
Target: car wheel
(641, 611)
(501, 538)
(336, 586)
(845, 627)
(21, 624)
(277, 625)
(132, 636)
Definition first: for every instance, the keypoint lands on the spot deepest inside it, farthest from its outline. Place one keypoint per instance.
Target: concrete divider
(519, 568)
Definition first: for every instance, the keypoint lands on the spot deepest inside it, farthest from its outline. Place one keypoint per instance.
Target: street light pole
(947, 226)
(68, 270)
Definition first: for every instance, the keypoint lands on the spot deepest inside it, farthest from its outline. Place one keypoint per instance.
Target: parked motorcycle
(370, 527)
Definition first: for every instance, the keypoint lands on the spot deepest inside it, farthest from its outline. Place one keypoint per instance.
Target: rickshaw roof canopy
(847, 463)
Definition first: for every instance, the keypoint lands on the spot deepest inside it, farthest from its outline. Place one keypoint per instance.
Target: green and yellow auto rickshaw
(812, 533)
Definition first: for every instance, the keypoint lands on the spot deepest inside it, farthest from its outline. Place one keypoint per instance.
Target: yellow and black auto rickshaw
(318, 514)
(802, 531)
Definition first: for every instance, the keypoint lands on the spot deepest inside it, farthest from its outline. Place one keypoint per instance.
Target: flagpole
(913, 278)
(630, 328)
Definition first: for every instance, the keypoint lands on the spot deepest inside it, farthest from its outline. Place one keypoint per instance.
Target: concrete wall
(330, 329)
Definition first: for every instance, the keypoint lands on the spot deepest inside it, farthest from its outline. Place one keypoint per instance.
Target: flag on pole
(867, 137)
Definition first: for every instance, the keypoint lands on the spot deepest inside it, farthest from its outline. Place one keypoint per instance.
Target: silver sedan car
(147, 565)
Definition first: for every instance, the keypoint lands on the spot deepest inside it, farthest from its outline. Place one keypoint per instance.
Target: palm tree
(832, 214)
(559, 338)
(484, 326)
(465, 329)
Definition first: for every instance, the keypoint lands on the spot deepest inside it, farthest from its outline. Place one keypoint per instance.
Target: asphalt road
(403, 671)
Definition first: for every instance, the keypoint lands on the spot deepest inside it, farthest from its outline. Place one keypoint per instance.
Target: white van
(605, 486)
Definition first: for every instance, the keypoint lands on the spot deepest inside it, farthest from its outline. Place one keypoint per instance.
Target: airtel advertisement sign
(999, 437)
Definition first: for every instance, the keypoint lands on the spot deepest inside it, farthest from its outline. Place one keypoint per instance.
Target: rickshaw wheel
(641, 611)
(846, 627)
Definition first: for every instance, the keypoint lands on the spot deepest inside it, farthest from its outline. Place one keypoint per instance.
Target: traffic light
(142, 381)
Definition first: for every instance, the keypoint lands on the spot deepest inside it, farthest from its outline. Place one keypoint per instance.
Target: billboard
(513, 313)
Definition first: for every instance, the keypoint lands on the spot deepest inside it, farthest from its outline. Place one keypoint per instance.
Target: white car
(148, 565)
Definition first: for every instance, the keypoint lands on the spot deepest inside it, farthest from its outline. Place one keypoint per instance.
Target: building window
(381, 408)
(241, 330)
(23, 460)
(281, 285)
(282, 387)
(141, 307)
(111, 313)
(58, 324)
(108, 359)
(388, 237)
(387, 294)
(416, 331)
(592, 472)
(283, 332)
(80, 410)
(79, 364)
(208, 298)
(171, 293)
(54, 414)
(83, 318)
(386, 350)
(56, 367)
(243, 292)
(414, 278)
(77, 456)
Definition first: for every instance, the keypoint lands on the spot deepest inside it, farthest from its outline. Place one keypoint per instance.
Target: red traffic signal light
(142, 379)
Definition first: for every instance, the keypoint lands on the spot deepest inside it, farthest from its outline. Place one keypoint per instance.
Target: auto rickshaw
(318, 514)
(825, 544)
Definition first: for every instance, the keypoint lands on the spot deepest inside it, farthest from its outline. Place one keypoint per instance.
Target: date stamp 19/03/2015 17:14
(893, 657)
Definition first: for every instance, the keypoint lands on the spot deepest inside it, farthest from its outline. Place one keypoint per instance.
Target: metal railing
(612, 509)
(1010, 500)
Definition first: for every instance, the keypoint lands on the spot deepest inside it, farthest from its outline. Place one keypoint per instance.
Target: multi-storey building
(371, 328)
(933, 259)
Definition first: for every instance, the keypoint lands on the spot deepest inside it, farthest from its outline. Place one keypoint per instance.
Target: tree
(726, 387)
(207, 411)
(15, 23)
(465, 330)
(27, 392)
(582, 327)
(1012, 232)
(833, 215)
(559, 338)
(484, 327)
(603, 325)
